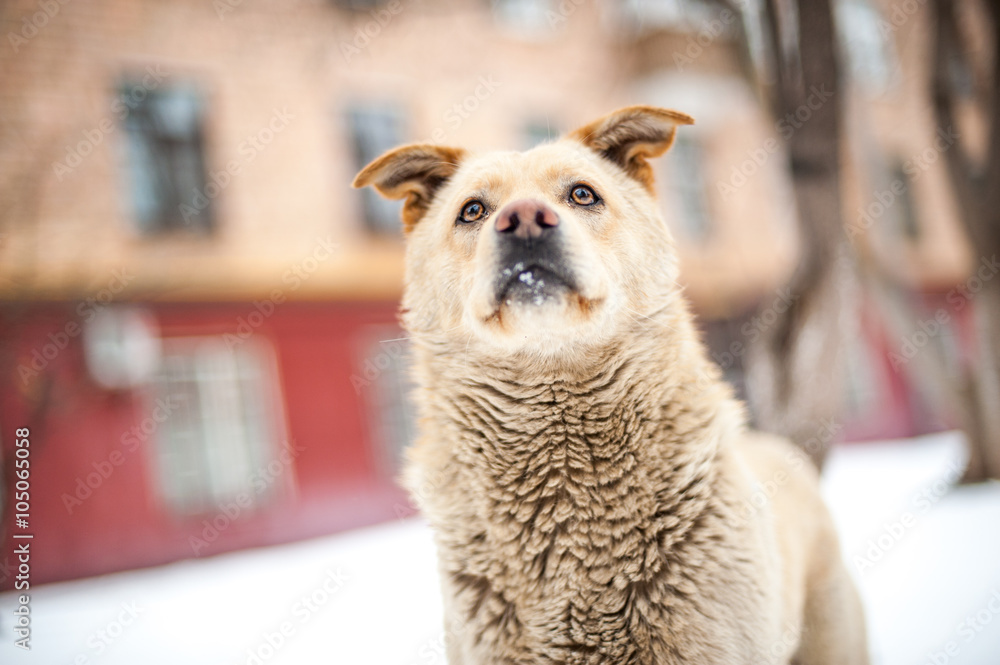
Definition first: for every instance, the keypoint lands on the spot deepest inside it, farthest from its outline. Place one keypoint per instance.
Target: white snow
(371, 596)
(933, 550)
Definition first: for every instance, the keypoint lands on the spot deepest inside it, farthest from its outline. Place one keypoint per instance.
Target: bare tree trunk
(976, 189)
(795, 371)
(986, 381)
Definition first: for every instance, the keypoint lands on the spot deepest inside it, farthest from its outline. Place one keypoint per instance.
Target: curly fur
(595, 498)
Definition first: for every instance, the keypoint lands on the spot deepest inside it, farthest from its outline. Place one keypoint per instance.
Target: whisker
(649, 318)
(465, 358)
(635, 320)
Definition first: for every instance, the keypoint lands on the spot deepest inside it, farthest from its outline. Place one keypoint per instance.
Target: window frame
(166, 174)
(221, 480)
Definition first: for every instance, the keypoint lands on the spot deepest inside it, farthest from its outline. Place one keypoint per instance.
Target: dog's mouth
(532, 283)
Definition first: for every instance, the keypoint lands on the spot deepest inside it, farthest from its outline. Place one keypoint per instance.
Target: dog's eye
(583, 195)
(473, 211)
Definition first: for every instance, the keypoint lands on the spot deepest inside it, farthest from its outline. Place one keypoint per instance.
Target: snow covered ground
(926, 556)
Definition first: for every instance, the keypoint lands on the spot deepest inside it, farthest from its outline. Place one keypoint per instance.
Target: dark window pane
(907, 212)
(165, 159)
(376, 130)
(864, 40)
(686, 182)
(539, 131)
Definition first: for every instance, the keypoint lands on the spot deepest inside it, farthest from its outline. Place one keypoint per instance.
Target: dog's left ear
(632, 135)
(415, 172)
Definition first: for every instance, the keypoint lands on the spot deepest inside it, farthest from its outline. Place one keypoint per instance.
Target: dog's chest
(557, 537)
(573, 573)
(588, 605)
(569, 609)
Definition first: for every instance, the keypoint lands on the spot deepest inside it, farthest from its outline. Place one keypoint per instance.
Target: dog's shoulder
(769, 455)
(787, 484)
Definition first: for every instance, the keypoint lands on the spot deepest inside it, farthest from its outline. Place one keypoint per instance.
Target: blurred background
(198, 314)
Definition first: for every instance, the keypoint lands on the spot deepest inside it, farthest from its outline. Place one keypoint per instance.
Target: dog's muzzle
(532, 266)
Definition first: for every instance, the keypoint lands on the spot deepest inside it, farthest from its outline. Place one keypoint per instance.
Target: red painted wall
(78, 428)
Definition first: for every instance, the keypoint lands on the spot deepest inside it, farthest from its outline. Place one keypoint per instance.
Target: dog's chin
(541, 314)
(534, 290)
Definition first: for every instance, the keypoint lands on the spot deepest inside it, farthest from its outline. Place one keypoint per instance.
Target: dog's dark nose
(526, 219)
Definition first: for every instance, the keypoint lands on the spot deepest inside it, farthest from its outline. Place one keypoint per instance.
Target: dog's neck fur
(590, 474)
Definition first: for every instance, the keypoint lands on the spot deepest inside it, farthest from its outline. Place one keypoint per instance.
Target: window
(687, 186)
(165, 159)
(682, 15)
(539, 131)
(753, 20)
(906, 212)
(376, 130)
(220, 426)
(359, 5)
(527, 19)
(728, 346)
(891, 209)
(383, 379)
(868, 53)
(960, 73)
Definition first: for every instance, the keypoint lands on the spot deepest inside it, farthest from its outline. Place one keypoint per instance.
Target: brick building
(199, 313)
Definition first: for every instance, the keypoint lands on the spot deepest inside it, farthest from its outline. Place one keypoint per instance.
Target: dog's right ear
(632, 135)
(412, 171)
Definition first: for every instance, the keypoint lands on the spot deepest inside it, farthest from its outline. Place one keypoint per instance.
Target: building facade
(199, 313)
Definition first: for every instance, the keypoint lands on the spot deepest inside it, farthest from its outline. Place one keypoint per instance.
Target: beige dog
(595, 494)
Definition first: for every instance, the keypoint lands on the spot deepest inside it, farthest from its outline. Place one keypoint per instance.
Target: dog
(595, 493)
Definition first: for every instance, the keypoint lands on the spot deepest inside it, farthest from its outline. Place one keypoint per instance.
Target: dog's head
(540, 251)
